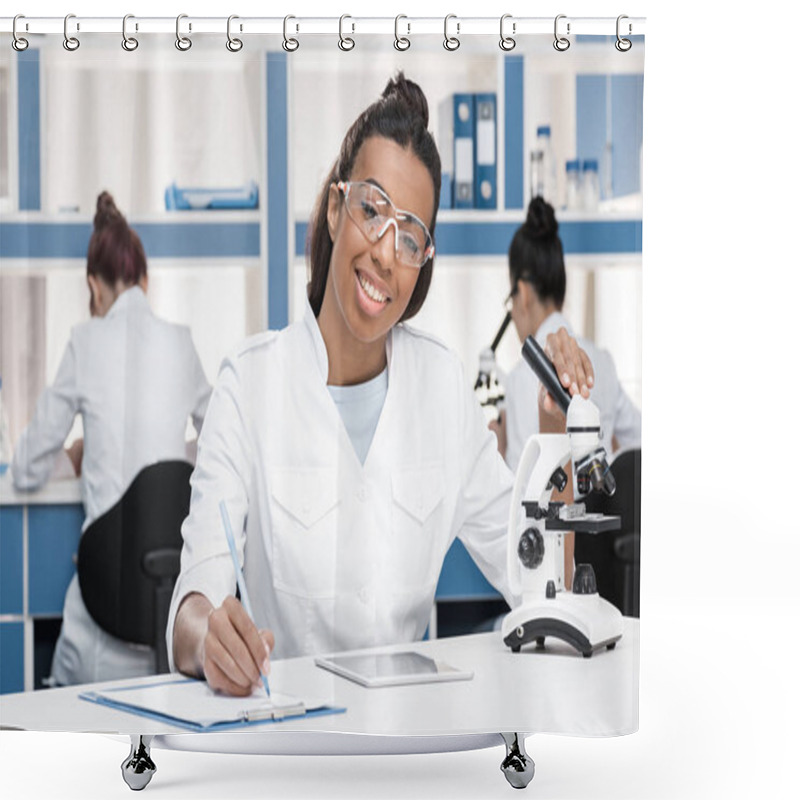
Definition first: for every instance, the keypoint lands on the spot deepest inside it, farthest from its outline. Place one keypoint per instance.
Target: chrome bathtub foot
(517, 766)
(138, 768)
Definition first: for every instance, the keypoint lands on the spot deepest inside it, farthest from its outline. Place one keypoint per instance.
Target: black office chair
(129, 558)
(615, 555)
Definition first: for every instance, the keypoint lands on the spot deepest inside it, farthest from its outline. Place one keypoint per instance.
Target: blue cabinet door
(461, 579)
(11, 560)
(53, 536)
(609, 128)
(12, 657)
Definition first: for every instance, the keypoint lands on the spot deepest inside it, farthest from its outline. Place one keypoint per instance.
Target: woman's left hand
(574, 369)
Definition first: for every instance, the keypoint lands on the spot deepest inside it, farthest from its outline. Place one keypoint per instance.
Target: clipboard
(192, 704)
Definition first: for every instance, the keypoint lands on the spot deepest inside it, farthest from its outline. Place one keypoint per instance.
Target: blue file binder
(457, 146)
(486, 150)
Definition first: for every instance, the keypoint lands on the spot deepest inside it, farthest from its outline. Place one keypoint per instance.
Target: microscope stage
(589, 523)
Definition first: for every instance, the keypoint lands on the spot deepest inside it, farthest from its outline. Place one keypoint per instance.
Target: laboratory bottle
(536, 174)
(590, 185)
(5, 441)
(573, 185)
(545, 184)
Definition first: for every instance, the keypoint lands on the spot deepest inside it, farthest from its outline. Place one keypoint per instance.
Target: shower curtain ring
(71, 43)
(561, 43)
(128, 42)
(451, 43)
(289, 44)
(183, 43)
(623, 45)
(346, 43)
(18, 42)
(234, 45)
(401, 43)
(507, 43)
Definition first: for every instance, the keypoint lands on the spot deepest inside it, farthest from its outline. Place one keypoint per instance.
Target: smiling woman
(369, 287)
(346, 490)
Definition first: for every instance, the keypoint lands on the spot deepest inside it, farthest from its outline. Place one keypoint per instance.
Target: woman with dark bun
(349, 448)
(135, 380)
(538, 286)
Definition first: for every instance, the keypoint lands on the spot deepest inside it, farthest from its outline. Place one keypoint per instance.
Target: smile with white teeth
(370, 289)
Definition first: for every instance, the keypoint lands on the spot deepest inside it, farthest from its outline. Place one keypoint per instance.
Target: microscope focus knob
(531, 548)
(584, 581)
(559, 479)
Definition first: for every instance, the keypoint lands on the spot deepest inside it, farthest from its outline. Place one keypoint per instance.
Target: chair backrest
(615, 555)
(119, 593)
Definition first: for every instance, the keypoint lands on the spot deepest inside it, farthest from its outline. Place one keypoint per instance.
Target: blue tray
(199, 198)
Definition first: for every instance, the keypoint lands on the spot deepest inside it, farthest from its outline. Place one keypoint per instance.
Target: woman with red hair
(135, 380)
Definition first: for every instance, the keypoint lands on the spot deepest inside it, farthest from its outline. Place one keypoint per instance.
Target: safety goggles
(373, 212)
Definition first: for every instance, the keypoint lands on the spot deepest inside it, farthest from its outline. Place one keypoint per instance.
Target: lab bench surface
(554, 690)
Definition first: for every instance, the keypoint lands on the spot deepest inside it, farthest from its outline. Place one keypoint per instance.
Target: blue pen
(226, 522)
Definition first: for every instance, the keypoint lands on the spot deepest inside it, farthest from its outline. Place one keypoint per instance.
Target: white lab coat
(338, 555)
(619, 417)
(135, 380)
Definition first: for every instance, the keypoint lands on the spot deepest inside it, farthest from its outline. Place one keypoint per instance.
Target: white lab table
(534, 691)
(65, 491)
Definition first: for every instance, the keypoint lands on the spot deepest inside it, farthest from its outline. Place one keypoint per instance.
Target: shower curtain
(217, 157)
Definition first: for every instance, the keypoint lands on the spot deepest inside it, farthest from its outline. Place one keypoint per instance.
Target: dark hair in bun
(536, 254)
(400, 115)
(107, 212)
(115, 250)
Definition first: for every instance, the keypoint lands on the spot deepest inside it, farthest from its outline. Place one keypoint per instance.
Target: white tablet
(391, 669)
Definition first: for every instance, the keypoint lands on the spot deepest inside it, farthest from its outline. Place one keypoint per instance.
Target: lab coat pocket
(418, 524)
(304, 524)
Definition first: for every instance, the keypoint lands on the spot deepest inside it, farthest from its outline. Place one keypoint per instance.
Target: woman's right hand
(234, 652)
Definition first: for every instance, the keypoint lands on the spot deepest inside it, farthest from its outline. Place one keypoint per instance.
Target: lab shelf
(489, 233)
(190, 234)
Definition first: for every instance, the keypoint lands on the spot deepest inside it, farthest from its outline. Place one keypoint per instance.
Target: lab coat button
(361, 494)
(363, 595)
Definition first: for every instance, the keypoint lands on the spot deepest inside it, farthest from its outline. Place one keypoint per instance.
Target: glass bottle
(591, 185)
(543, 182)
(573, 185)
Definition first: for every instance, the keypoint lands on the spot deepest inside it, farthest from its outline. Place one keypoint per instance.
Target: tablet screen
(387, 669)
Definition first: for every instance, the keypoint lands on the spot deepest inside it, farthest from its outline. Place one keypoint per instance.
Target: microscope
(579, 617)
(487, 386)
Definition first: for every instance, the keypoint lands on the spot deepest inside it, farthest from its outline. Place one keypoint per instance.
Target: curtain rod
(349, 25)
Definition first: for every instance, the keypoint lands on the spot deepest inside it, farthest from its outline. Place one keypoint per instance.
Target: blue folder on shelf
(486, 150)
(193, 705)
(182, 198)
(457, 148)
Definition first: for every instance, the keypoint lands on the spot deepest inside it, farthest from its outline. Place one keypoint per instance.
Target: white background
(720, 606)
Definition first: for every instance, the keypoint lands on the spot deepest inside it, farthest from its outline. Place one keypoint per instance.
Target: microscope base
(586, 622)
